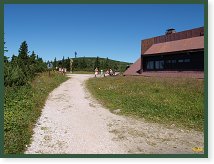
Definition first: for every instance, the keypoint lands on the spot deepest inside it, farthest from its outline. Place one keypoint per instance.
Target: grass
(162, 100)
(22, 108)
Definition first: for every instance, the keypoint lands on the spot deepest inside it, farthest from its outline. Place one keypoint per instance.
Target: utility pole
(75, 53)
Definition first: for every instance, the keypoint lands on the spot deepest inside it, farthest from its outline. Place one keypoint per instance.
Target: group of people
(109, 72)
(62, 70)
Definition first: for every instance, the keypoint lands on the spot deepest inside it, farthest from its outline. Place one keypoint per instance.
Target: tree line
(23, 67)
(89, 64)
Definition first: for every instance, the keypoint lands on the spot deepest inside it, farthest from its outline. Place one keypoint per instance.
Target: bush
(14, 75)
(22, 68)
(22, 107)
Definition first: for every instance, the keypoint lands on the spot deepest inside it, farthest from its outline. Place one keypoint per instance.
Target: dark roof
(132, 70)
(194, 43)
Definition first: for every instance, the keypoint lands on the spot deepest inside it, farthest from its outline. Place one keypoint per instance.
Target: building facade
(173, 52)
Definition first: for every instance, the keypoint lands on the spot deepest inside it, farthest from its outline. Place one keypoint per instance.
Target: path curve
(72, 122)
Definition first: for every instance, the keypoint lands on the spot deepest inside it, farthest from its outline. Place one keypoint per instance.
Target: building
(172, 52)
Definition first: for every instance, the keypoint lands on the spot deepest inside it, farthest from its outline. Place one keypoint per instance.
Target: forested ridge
(90, 63)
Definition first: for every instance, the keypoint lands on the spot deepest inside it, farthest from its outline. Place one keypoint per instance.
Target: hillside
(90, 63)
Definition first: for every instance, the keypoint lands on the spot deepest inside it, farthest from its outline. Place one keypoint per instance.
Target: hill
(90, 63)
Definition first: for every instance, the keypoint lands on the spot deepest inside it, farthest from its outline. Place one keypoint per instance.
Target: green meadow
(170, 101)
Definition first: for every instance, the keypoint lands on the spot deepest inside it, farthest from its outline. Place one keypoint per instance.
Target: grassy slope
(22, 108)
(162, 100)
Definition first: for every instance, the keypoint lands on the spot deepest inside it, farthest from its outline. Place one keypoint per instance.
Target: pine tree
(23, 51)
(84, 64)
(75, 64)
(5, 50)
(106, 65)
(54, 63)
(23, 59)
(63, 62)
(116, 67)
(97, 63)
(33, 58)
(6, 59)
(14, 60)
(67, 64)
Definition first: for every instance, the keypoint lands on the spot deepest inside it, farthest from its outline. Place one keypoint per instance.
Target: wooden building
(174, 51)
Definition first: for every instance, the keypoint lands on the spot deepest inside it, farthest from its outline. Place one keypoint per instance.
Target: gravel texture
(72, 122)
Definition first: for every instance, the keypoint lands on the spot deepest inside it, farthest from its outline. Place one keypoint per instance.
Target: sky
(113, 31)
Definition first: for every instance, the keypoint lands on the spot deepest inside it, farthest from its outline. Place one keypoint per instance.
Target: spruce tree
(14, 60)
(106, 65)
(23, 59)
(67, 64)
(23, 51)
(84, 64)
(5, 50)
(97, 63)
(63, 62)
(33, 58)
(54, 63)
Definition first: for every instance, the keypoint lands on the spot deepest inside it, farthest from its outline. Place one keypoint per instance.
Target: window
(173, 61)
(159, 64)
(180, 61)
(150, 65)
(186, 60)
(168, 61)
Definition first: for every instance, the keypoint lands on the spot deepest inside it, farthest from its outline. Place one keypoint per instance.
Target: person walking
(101, 73)
(111, 72)
(96, 72)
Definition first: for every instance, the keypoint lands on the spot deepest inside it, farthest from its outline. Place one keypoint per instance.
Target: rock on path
(72, 122)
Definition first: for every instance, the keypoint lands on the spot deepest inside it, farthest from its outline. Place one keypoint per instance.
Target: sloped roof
(177, 45)
(132, 70)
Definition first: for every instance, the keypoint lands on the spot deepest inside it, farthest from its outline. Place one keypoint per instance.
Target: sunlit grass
(164, 100)
(22, 107)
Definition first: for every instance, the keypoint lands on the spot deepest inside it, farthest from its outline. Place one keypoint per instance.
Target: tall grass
(22, 107)
(162, 100)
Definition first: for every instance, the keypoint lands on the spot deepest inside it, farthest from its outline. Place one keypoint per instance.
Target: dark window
(180, 61)
(173, 61)
(159, 64)
(168, 61)
(150, 65)
(186, 60)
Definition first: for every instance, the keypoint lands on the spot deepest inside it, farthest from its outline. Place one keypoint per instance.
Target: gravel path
(72, 122)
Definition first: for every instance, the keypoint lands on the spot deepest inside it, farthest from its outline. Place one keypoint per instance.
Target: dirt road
(72, 122)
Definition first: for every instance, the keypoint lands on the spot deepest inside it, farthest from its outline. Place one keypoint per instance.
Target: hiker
(106, 73)
(96, 72)
(111, 72)
(63, 71)
(101, 73)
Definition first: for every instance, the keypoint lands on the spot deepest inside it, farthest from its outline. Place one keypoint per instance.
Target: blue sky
(113, 31)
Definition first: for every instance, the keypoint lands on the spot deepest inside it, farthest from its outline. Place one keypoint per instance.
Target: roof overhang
(184, 45)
